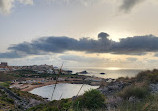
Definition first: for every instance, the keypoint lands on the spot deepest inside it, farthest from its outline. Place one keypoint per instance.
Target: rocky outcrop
(112, 87)
(10, 93)
(20, 102)
(82, 72)
(154, 88)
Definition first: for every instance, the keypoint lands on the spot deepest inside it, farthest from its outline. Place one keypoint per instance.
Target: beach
(29, 87)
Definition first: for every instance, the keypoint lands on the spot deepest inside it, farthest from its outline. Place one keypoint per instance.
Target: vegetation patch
(5, 84)
(148, 76)
(139, 90)
(149, 103)
(6, 77)
(61, 105)
(91, 99)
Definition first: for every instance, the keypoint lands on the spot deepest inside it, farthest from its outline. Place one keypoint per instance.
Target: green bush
(37, 108)
(9, 100)
(51, 109)
(6, 77)
(55, 105)
(135, 91)
(5, 84)
(91, 99)
(65, 104)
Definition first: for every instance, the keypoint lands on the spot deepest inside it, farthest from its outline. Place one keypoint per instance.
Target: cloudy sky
(80, 33)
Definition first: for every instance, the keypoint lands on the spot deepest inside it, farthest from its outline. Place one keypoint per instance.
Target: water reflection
(62, 90)
(112, 72)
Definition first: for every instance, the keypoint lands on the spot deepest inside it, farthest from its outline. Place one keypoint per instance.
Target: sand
(29, 87)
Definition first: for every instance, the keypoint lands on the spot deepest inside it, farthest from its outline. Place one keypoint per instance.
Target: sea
(110, 72)
(64, 90)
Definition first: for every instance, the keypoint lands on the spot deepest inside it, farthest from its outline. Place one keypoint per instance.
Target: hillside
(139, 93)
(125, 94)
(16, 100)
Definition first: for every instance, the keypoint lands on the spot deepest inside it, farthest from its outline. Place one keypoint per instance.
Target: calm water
(70, 90)
(109, 72)
(62, 90)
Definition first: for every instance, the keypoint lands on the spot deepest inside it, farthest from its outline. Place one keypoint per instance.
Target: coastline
(30, 87)
(31, 83)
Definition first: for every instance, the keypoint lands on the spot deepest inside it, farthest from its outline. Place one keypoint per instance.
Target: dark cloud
(127, 5)
(137, 45)
(78, 58)
(45, 45)
(103, 35)
(12, 54)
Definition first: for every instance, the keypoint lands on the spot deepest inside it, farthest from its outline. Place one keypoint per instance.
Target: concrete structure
(4, 64)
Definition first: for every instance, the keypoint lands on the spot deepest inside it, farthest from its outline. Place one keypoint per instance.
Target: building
(4, 64)
(4, 67)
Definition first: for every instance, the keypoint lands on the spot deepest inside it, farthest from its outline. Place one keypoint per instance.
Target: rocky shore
(112, 87)
(118, 93)
(32, 83)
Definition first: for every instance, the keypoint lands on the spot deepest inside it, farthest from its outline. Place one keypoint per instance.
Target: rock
(154, 88)
(83, 72)
(112, 87)
(131, 99)
(33, 102)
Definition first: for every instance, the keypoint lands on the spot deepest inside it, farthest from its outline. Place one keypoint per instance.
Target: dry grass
(60, 72)
(138, 90)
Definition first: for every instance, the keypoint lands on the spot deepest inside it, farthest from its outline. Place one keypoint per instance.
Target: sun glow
(113, 68)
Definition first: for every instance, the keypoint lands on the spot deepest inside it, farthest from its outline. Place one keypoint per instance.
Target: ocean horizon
(110, 72)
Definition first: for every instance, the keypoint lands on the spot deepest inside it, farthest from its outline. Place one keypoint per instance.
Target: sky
(80, 33)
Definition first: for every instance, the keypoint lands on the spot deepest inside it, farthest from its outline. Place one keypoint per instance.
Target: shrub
(9, 100)
(6, 77)
(51, 109)
(5, 84)
(65, 104)
(91, 99)
(150, 103)
(150, 76)
(135, 91)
